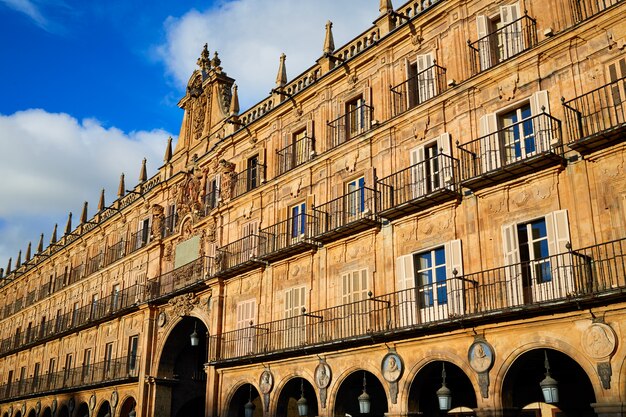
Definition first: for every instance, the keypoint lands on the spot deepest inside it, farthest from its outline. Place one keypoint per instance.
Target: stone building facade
(439, 203)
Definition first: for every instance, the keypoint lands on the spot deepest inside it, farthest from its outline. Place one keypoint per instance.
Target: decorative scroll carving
(183, 304)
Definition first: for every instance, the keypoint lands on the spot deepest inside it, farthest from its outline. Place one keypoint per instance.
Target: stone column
(607, 409)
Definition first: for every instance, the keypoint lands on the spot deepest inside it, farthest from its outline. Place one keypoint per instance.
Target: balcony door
(298, 222)
(500, 36)
(355, 199)
(246, 319)
(294, 320)
(355, 117)
(430, 171)
(617, 71)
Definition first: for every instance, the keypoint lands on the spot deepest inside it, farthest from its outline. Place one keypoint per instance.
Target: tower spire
(121, 189)
(281, 77)
(234, 102)
(329, 42)
(143, 174)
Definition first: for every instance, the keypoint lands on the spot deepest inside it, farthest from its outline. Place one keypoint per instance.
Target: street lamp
(303, 407)
(364, 399)
(444, 395)
(249, 407)
(195, 340)
(549, 385)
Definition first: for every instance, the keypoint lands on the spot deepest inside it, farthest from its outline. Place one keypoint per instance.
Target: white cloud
(28, 8)
(250, 35)
(52, 163)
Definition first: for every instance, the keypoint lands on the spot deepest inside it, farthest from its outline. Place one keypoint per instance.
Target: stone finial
(18, 263)
(168, 150)
(385, 7)
(53, 238)
(281, 77)
(9, 266)
(121, 189)
(40, 244)
(215, 62)
(28, 250)
(143, 174)
(101, 204)
(68, 226)
(234, 102)
(83, 215)
(329, 42)
(204, 61)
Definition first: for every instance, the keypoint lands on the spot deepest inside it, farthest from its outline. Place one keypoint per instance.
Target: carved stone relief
(183, 304)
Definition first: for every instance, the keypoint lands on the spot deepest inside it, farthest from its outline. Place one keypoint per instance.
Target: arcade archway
(347, 399)
(181, 369)
(423, 392)
(104, 410)
(128, 405)
(82, 410)
(63, 411)
(245, 394)
(293, 390)
(521, 392)
(47, 412)
(32, 413)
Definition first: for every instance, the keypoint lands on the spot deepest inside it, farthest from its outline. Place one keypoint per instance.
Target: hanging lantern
(303, 407)
(249, 407)
(195, 340)
(549, 385)
(364, 399)
(444, 395)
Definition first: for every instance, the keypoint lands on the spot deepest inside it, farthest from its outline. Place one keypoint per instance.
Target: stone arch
(289, 393)
(171, 325)
(82, 410)
(234, 406)
(339, 378)
(63, 411)
(350, 386)
(32, 413)
(104, 410)
(127, 405)
(520, 389)
(47, 412)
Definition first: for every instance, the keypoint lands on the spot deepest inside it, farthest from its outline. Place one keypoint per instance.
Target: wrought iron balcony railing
(100, 373)
(84, 316)
(353, 212)
(348, 126)
(598, 118)
(181, 278)
(571, 280)
(504, 43)
(425, 184)
(77, 273)
(94, 264)
(137, 241)
(248, 180)
(295, 154)
(419, 88)
(211, 200)
(288, 237)
(584, 9)
(518, 149)
(114, 252)
(239, 256)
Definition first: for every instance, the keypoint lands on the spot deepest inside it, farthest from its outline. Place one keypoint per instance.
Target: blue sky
(89, 88)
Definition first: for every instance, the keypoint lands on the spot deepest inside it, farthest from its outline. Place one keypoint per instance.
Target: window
(250, 241)
(294, 303)
(93, 314)
(67, 373)
(22, 378)
(517, 133)
(355, 199)
(108, 360)
(355, 117)
(354, 311)
(422, 81)
(252, 173)
(36, 372)
(17, 338)
(617, 71)
(298, 221)
(427, 288)
(538, 261)
(499, 37)
(213, 192)
(86, 363)
(9, 382)
(300, 148)
(430, 170)
(133, 343)
(115, 297)
(52, 367)
(75, 314)
(246, 318)
(144, 233)
(42, 327)
(354, 286)
(57, 321)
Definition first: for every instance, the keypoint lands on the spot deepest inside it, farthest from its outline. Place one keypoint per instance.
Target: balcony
(248, 180)
(510, 152)
(420, 186)
(503, 44)
(349, 126)
(180, 279)
(288, 237)
(239, 256)
(136, 241)
(77, 273)
(168, 227)
(295, 154)
(351, 213)
(211, 200)
(597, 119)
(94, 264)
(572, 280)
(102, 373)
(584, 9)
(82, 317)
(114, 252)
(419, 88)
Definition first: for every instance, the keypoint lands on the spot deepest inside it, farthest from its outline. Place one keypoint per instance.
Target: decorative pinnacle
(18, 263)
(83, 215)
(168, 150)
(143, 174)
(281, 77)
(101, 204)
(68, 226)
(40, 245)
(9, 266)
(53, 238)
(329, 42)
(215, 62)
(121, 189)
(234, 102)
(204, 62)
(28, 250)
(385, 7)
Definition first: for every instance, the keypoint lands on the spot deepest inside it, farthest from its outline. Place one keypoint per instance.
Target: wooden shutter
(294, 301)
(354, 286)
(418, 172)
(405, 276)
(510, 243)
(405, 272)
(454, 261)
(246, 313)
(513, 39)
(513, 288)
(538, 101)
(425, 77)
(543, 127)
(490, 144)
(557, 226)
(445, 163)
(617, 70)
(484, 44)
